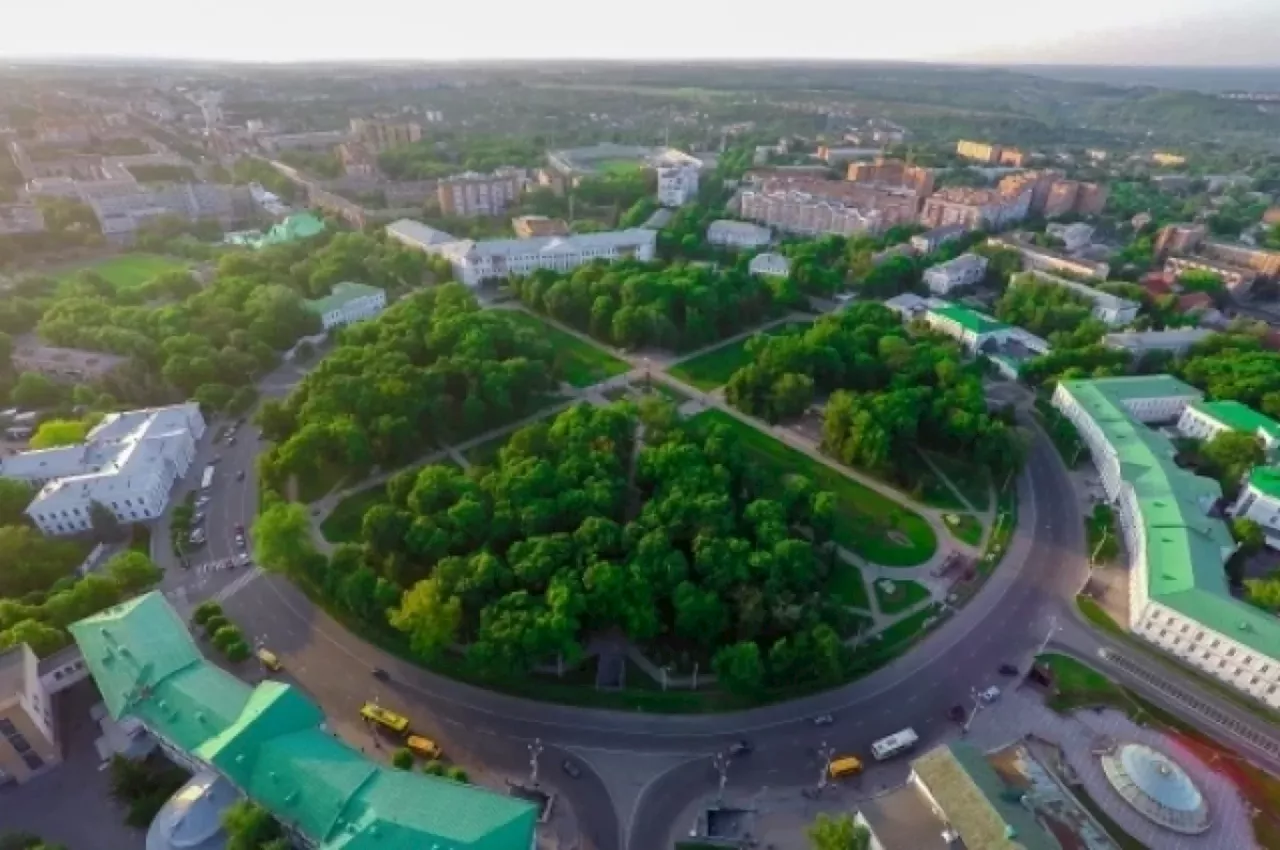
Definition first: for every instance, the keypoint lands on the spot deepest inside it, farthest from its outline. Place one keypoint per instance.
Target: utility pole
(825, 754)
(720, 761)
(1053, 627)
(535, 750)
(977, 706)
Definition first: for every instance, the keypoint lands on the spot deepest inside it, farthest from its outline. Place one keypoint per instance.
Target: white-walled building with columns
(1179, 598)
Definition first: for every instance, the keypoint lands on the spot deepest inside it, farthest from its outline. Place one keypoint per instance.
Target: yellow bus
(845, 766)
(386, 719)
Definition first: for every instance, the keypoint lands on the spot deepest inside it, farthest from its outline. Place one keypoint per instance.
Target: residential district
(393, 461)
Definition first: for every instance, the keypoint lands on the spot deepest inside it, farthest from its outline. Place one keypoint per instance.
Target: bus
(386, 719)
(207, 480)
(898, 742)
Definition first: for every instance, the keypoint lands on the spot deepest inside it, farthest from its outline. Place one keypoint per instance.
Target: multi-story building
(893, 172)
(1238, 280)
(474, 262)
(1074, 236)
(120, 215)
(1046, 259)
(978, 151)
(811, 206)
(379, 136)
(1091, 198)
(28, 736)
(964, 270)
(20, 218)
(1112, 310)
(1259, 501)
(770, 265)
(128, 464)
(1205, 420)
(1260, 260)
(932, 240)
(1179, 597)
(1178, 239)
(357, 160)
(738, 234)
(531, 226)
(270, 743)
(1168, 159)
(974, 209)
(1052, 195)
(1138, 343)
(473, 194)
(677, 183)
(62, 364)
(348, 302)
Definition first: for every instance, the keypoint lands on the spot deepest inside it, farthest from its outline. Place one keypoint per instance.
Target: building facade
(348, 303)
(677, 183)
(1259, 501)
(793, 211)
(20, 218)
(1138, 343)
(1074, 236)
(1046, 260)
(892, 172)
(738, 234)
(28, 736)
(974, 209)
(770, 265)
(965, 270)
(932, 240)
(1204, 420)
(379, 136)
(1179, 598)
(472, 194)
(128, 464)
(1178, 239)
(1260, 260)
(1237, 279)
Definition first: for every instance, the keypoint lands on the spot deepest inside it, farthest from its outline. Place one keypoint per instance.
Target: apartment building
(738, 234)
(1048, 260)
(28, 737)
(379, 136)
(474, 262)
(677, 183)
(892, 172)
(1179, 598)
(473, 194)
(991, 154)
(20, 218)
(1112, 310)
(120, 215)
(1178, 239)
(1138, 343)
(1238, 280)
(1260, 260)
(974, 209)
(809, 206)
(62, 364)
(357, 160)
(347, 303)
(964, 270)
(1052, 195)
(1259, 501)
(128, 463)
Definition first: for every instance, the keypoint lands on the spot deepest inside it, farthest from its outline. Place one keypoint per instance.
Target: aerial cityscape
(528, 451)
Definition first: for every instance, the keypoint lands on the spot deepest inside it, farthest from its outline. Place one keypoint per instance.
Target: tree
(282, 536)
(457, 774)
(838, 833)
(15, 495)
(204, 611)
(1249, 535)
(402, 759)
(429, 617)
(59, 432)
(43, 639)
(35, 390)
(739, 668)
(106, 525)
(248, 826)
(132, 571)
(1230, 455)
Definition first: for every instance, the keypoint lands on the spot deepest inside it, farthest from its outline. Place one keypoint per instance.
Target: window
(1184, 628)
(1214, 645)
(1231, 653)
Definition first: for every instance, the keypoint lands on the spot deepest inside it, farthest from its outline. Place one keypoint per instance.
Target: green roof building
(1207, 419)
(270, 742)
(348, 302)
(971, 321)
(298, 226)
(1179, 595)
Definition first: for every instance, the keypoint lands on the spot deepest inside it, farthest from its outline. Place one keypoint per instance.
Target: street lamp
(720, 761)
(535, 750)
(825, 754)
(977, 706)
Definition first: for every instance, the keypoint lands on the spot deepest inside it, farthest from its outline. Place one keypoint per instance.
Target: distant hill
(1210, 80)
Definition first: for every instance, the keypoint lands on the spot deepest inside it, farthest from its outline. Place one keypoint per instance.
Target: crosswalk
(238, 585)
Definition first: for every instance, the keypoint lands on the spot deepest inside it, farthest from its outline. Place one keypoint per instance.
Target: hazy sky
(1101, 31)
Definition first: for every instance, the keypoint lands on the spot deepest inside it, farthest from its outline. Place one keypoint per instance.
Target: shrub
(457, 774)
(435, 767)
(402, 759)
(204, 611)
(224, 637)
(215, 622)
(237, 651)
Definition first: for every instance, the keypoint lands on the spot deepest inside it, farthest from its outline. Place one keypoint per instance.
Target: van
(845, 766)
(269, 660)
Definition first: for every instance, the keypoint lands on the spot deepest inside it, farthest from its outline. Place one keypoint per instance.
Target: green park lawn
(126, 271)
(900, 596)
(715, 367)
(581, 363)
(618, 167)
(879, 529)
(964, 527)
(847, 586)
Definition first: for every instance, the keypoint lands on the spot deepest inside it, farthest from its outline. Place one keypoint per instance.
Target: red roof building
(1195, 301)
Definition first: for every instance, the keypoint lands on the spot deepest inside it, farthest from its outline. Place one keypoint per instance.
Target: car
(571, 770)
(198, 517)
(381, 675)
(740, 748)
(1008, 670)
(990, 695)
(239, 528)
(956, 713)
(424, 747)
(231, 441)
(240, 541)
(823, 720)
(240, 475)
(269, 659)
(243, 559)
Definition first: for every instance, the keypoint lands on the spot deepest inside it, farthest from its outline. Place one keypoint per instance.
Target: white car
(990, 695)
(244, 560)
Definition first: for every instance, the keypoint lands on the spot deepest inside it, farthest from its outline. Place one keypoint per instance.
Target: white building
(1179, 599)
(474, 262)
(1204, 420)
(347, 303)
(964, 270)
(770, 265)
(1260, 501)
(121, 214)
(1114, 311)
(1137, 343)
(677, 183)
(415, 234)
(128, 463)
(1074, 236)
(738, 234)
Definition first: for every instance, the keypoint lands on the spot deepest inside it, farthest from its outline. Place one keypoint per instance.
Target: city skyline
(1175, 33)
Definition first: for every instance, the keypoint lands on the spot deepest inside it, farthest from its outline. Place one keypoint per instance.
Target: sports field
(126, 270)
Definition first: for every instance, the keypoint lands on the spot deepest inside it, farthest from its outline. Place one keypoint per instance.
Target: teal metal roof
(1185, 548)
(271, 743)
(340, 295)
(1239, 417)
(1267, 480)
(970, 320)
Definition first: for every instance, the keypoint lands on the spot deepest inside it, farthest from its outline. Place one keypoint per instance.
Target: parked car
(740, 748)
(571, 769)
(1008, 670)
(231, 441)
(380, 674)
(956, 713)
(243, 559)
(823, 720)
(240, 475)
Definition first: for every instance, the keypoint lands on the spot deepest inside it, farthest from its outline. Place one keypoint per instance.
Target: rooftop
(342, 293)
(970, 320)
(572, 244)
(1266, 479)
(1186, 548)
(269, 742)
(1239, 417)
(416, 231)
(1102, 299)
(1156, 339)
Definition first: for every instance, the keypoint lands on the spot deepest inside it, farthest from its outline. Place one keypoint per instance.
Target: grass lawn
(877, 528)
(344, 523)
(1005, 523)
(618, 167)
(126, 270)
(714, 368)
(581, 363)
(848, 586)
(895, 640)
(973, 482)
(901, 596)
(965, 527)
